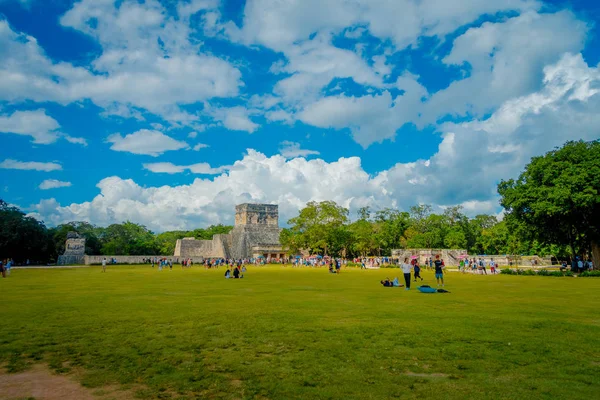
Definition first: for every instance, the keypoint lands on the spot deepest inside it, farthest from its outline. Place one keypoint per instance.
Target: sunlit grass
(284, 333)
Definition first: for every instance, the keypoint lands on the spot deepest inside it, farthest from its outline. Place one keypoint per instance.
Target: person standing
(439, 270)
(2, 269)
(104, 264)
(492, 266)
(406, 268)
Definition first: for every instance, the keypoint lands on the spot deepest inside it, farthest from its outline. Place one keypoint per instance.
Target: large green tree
(317, 229)
(557, 197)
(21, 237)
(129, 239)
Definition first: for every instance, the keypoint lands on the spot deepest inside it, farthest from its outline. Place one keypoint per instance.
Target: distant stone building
(256, 233)
(74, 250)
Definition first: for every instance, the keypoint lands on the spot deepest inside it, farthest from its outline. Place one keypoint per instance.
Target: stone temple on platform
(256, 233)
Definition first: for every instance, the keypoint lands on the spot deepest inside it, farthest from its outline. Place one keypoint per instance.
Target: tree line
(552, 208)
(25, 238)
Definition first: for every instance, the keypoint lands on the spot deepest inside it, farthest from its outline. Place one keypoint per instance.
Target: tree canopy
(557, 198)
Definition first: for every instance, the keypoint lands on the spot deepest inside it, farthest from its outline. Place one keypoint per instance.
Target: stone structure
(74, 250)
(451, 257)
(255, 234)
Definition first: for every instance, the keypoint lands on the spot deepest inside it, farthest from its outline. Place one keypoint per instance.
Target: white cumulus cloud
(30, 165)
(292, 150)
(40, 126)
(53, 184)
(144, 141)
(170, 168)
(465, 170)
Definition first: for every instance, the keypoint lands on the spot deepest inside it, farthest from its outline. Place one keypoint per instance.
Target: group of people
(5, 267)
(578, 265)
(335, 266)
(237, 272)
(477, 266)
(412, 267)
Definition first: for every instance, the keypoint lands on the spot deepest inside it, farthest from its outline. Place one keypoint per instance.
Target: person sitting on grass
(236, 273)
(227, 274)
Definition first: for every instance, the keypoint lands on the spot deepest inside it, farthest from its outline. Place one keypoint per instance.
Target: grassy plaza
(284, 333)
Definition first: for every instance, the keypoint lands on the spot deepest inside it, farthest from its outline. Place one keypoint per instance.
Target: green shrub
(508, 271)
(545, 272)
(528, 272)
(589, 274)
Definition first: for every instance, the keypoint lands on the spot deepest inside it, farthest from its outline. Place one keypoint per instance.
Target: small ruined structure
(450, 256)
(255, 234)
(74, 250)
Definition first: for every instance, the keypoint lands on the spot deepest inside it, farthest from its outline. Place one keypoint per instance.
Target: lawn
(283, 333)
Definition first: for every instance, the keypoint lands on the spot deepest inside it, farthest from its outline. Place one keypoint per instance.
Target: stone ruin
(74, 250)
(256, 233)
(451, 257)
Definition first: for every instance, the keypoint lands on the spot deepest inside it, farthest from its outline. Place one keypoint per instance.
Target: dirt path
(40, 383)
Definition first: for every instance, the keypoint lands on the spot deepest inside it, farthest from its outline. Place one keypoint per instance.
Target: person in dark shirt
(417, 271)
(236, 273)
(439, 270)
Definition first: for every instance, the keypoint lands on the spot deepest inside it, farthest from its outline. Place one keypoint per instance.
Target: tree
(21, 237)
(455, 239)
(390, 226)
(313, 229)
(91, 233)
(129, 239)
(558, 197)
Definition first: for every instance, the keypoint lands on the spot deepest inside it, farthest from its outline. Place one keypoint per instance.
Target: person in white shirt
(104, 265)
(406, 269)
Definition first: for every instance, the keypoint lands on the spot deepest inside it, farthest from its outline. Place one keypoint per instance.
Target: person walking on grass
(104, 264)
(439, 270)
(417, 270)
(406, 268)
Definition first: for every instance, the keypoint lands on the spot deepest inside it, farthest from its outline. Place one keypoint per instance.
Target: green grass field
(283, 333)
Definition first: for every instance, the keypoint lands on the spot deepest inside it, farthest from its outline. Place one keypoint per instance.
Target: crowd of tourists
(479, 266)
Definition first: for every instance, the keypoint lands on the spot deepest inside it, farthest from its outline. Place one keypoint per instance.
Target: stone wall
(452, 257)
(255, 225)
(190, 247)
(135, 259)
(257, 214)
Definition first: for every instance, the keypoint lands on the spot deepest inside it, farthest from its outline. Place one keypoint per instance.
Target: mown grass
(283, 333)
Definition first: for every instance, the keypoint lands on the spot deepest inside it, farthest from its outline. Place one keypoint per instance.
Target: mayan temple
(256, 233)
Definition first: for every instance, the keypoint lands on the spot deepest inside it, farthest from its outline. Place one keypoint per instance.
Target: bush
(542, 272)
(590, 274)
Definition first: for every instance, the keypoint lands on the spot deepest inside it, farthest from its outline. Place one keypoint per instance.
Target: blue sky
(168, 113)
